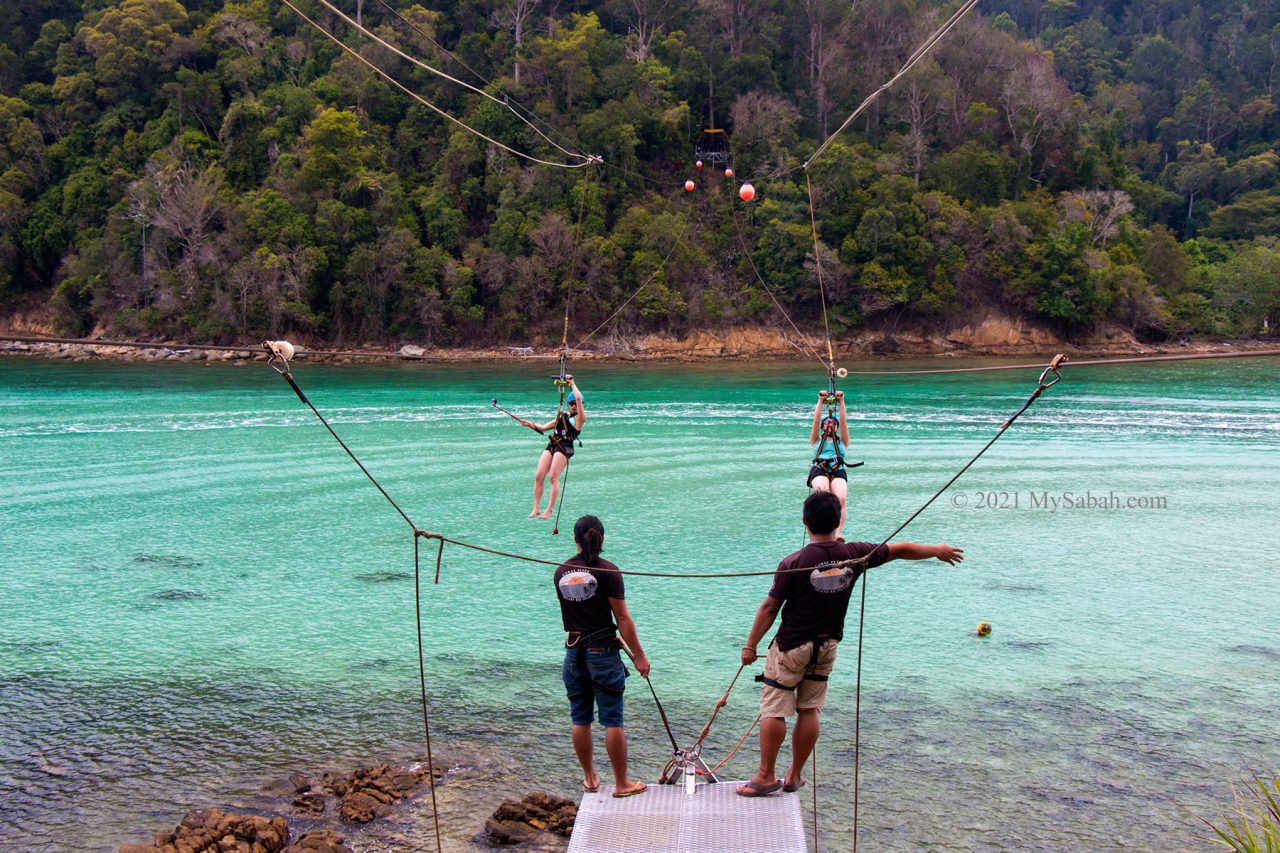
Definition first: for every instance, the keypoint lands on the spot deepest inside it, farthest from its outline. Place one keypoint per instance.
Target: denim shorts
(595, 678)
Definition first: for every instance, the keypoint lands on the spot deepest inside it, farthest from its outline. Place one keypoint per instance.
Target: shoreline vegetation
(990, 339)
(227, 171)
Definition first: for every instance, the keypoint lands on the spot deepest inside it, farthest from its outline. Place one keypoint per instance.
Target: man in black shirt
(591, 596)
(803, 652)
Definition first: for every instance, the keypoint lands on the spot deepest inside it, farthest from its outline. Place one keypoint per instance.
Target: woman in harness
(829, 438)
(564, 431)
(593, 608)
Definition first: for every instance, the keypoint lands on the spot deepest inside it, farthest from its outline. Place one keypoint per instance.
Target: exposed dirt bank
(993, 336)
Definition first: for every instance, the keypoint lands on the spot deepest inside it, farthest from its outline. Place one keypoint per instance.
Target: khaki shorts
(790, 668)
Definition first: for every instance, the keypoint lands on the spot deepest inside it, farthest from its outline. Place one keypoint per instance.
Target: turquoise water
(201, 592)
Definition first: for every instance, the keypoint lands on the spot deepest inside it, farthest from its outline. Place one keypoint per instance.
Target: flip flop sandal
(761, 790)
(791, 789)
(590, 790)
(642, 787)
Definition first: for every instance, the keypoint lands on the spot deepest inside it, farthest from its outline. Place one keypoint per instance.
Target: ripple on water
(178, 595)
(166, 561)
(1264, 652)
(384, 577)
(1014, 586)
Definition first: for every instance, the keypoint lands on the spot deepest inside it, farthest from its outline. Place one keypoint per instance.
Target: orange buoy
(747, 192)
(984, 629)
(698, 164)
(728, 173)
(688, 186)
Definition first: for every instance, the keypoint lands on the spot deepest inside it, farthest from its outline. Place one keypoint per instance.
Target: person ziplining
(829, 438)
(565, 429)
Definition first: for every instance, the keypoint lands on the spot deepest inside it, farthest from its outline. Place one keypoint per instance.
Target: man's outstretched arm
(912, 551)
(763, 622)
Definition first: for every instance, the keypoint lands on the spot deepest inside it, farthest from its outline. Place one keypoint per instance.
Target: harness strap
(576, 639)
(581, 644)
(826, 464)
(815, 647)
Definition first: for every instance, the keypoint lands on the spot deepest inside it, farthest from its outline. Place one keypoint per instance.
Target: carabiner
(1054, 366)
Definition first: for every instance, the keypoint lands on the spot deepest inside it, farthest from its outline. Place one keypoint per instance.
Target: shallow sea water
(200, 592)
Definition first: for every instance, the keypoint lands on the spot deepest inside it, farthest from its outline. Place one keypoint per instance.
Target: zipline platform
(665, 820)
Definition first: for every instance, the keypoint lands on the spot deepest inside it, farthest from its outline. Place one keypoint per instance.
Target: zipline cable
(804, 339)
(1089, 362)
(911, 63)
(564, 345)
(523, 113)
(817, 263)
(674, 245)
(393, 81)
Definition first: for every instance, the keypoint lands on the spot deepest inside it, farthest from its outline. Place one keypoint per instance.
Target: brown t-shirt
(815, 603)
(584, 592)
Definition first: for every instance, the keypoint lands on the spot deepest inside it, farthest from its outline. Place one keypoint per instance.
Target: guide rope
(422, 682)
(360, 28)
(279, 353)
(1041, 386)
(1053, 368)
(280, 364)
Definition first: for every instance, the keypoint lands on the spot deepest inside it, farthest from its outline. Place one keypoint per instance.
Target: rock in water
(371, 791)
(518, 822)
(324, 841)
(216, 831)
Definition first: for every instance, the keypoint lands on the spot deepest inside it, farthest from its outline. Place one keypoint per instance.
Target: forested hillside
(221, 171)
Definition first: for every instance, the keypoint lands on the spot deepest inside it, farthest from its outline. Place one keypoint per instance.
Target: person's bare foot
(534, 514)
(546, 514)
(591, 784)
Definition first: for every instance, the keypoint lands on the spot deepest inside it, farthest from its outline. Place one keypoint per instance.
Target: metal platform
(714, 819)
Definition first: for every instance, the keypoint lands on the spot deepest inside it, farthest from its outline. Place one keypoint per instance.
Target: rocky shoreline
(335, 812)
(992, 338)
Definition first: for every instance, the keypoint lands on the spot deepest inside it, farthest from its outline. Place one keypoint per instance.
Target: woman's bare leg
(558, 461)
(539, 478)
(840, 488)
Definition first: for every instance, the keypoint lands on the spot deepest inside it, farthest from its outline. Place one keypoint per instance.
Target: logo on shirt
(577, 586)
(831, 578)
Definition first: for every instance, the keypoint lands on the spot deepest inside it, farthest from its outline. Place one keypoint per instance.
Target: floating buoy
(728, 173)
(747, 192)
(698, 164)
(984, 628)
(688, 186)
(842, 372)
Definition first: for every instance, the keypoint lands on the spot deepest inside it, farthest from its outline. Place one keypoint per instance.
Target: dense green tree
(221, 170)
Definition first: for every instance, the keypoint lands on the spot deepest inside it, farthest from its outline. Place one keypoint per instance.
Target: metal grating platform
(665, 820)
